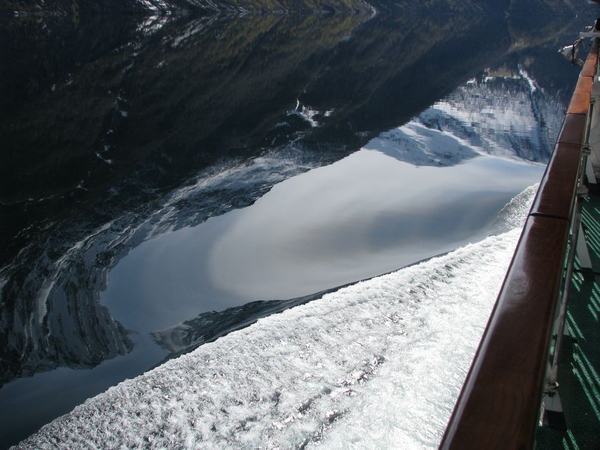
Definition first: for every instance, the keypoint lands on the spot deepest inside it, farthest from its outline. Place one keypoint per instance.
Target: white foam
(376, 365)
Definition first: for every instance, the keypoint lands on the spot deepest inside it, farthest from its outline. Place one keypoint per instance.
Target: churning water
(378, 364)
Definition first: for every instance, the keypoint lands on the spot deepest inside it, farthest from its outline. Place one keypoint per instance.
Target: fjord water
(168, 181)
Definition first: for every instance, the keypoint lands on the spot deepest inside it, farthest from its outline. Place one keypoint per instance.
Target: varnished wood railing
(499, 405)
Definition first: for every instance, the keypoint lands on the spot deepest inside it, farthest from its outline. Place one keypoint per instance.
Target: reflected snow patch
(154, 22)
(419, 145)
(308, 114)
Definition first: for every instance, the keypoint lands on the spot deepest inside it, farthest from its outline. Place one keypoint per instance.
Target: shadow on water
(109, 127)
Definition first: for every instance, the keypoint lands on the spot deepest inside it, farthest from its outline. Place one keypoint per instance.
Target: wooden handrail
(499, 405)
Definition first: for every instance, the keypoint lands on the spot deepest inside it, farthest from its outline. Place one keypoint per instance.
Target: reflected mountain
(471, 122)
(206, 327)
(178, 7)
(119, 132)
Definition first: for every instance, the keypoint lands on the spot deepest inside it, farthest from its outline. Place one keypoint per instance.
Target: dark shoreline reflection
(209, 326)
(110, 130)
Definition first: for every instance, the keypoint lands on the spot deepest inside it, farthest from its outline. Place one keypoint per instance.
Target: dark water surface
(144, 166)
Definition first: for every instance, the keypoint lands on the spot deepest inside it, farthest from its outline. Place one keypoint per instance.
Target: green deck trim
(579, 370)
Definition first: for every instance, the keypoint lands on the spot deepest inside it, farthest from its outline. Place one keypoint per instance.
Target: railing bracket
(586, 149)
(553, 415)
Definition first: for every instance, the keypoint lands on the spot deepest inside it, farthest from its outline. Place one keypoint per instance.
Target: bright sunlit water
(375, 365)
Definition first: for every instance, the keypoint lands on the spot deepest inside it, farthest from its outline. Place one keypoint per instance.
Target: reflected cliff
(119, 132)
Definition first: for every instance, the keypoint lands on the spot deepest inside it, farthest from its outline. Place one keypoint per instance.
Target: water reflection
(364, 216)
(119, 135)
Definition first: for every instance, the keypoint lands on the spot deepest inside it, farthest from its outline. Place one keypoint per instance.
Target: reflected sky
(365, 215)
